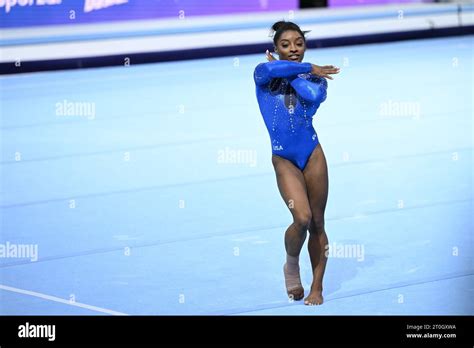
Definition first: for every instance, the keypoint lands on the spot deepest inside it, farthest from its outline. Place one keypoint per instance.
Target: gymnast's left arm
(312, 91)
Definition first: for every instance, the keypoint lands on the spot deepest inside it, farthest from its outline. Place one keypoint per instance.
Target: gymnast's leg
(316, 177)
(292, 187)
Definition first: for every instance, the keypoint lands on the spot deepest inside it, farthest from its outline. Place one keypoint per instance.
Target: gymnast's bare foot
(315, 296)
(294, 288)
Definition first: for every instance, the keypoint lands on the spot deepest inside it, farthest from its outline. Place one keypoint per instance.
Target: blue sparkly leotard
(288, 97)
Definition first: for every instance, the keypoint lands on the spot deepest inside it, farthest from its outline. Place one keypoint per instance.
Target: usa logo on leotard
(277, 147)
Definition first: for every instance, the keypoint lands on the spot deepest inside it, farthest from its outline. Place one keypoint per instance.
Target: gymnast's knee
(317, 224)
(302, 219)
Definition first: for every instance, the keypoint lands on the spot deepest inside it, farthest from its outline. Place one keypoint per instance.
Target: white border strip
(199, 40)
(167, 43)
(58, 299)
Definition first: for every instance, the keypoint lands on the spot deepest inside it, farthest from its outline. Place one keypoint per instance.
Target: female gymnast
(289, 92)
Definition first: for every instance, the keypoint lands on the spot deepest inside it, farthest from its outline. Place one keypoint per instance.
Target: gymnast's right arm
(264, 72)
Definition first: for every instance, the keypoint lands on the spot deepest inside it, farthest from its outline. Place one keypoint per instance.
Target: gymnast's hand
(324, 71)
(269, 56)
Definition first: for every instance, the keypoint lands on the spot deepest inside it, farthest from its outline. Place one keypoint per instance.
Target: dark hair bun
(281, 26)
(278, 25)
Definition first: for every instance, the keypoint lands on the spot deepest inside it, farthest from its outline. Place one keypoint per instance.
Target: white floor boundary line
(59, 300)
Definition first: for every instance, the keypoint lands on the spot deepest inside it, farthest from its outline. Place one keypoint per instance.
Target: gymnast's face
(291, 46)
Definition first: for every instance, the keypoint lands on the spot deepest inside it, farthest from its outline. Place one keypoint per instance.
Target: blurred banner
(336, 3)
(26, 13)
